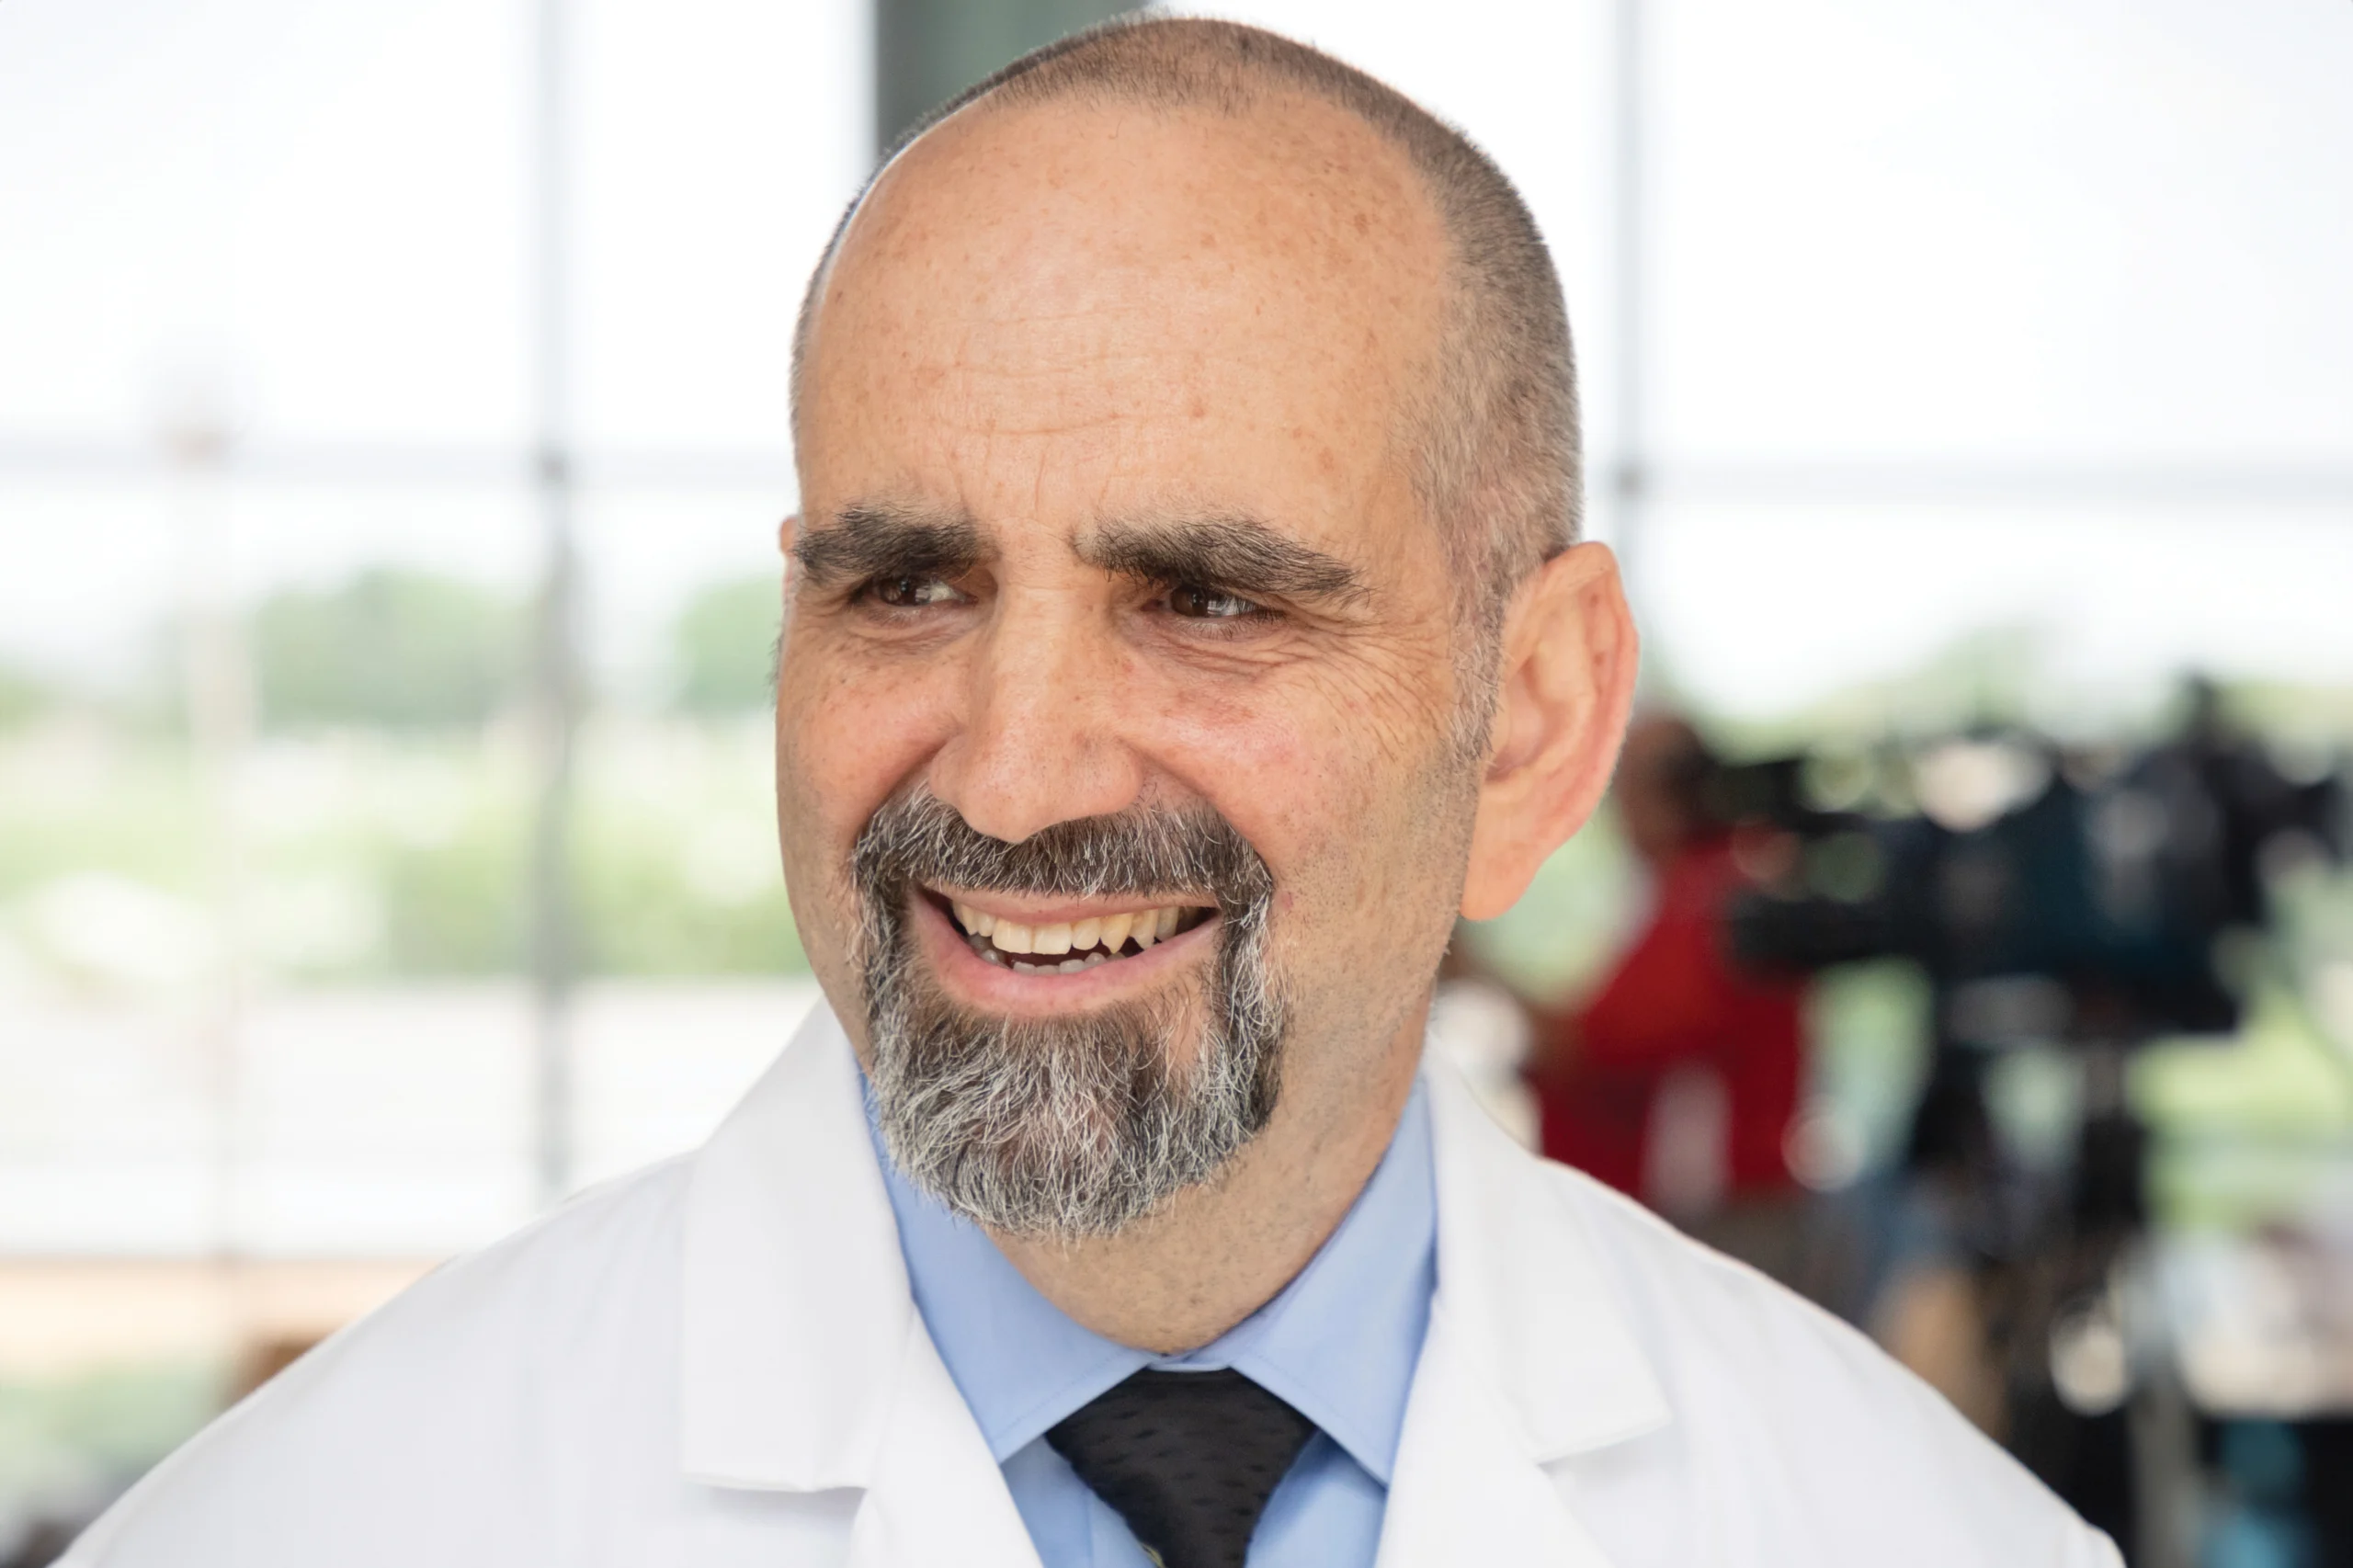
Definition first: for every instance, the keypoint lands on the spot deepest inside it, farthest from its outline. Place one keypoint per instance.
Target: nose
(1041, 740)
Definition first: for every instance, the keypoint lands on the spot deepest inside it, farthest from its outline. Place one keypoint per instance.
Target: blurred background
(393, 442)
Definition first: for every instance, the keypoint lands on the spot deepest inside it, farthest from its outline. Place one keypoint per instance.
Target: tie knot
(1187, 1459)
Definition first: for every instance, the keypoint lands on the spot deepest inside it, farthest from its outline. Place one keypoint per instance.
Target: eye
(1195, 602)
(912, 592)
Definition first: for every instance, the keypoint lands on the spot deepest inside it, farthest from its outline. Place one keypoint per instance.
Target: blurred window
(393, 439)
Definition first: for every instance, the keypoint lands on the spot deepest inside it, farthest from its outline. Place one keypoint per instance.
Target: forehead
(1071, 309)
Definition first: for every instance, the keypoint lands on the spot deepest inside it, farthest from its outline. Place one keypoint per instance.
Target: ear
(1566, 685)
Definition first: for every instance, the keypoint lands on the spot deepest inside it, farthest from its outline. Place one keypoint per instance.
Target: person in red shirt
(1676, 1008)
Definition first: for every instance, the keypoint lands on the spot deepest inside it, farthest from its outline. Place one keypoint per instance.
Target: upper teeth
(1109, 932)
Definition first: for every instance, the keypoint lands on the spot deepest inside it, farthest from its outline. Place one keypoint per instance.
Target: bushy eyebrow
(872, 540)
(1236, 554)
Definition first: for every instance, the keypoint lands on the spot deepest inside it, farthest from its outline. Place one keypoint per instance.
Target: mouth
(1065, 941)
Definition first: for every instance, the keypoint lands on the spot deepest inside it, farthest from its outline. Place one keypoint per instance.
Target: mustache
(1143, 852)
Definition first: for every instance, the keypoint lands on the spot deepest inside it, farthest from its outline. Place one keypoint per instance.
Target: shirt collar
(797, 1319)
(1339, 1344)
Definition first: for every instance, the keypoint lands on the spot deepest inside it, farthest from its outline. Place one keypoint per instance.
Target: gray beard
(1066, 1127)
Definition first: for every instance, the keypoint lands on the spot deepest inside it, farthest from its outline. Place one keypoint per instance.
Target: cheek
(847, 738)
(1271, 771)
(1369, 857)
(1347, 813)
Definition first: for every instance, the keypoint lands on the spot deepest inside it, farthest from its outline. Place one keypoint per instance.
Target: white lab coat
(716, 1364)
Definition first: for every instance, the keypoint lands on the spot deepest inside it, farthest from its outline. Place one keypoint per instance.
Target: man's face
(1113, 605)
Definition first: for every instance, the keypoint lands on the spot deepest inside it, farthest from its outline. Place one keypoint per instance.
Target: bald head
(1388, 204)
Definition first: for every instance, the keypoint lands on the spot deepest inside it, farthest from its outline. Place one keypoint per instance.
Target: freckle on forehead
(1034, 320)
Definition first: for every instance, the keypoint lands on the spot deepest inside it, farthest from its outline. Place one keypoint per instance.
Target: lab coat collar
(1520, 1284)
(795, 1311)
(805, 1367)
(1528, 1361)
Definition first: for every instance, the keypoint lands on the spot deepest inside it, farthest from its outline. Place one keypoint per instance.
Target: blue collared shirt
(1338, 1344)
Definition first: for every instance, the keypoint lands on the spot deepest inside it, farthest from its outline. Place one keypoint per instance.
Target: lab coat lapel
(936, 1495)
(804, 1366)
(1527, 1360)
(1465, 1490)
(795, 1303)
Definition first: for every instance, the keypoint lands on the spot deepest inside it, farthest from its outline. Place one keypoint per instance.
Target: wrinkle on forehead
(1081, 254)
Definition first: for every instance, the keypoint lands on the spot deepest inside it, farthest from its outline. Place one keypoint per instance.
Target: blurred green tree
(638, 916)
(392, 647)
(724, 645)
(457, 908)
(22, 697)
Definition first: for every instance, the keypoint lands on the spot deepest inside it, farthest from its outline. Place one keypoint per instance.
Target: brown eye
(910, 593)
(1197, 603)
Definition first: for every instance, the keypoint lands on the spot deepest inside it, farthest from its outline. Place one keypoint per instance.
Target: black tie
(1187, 1459)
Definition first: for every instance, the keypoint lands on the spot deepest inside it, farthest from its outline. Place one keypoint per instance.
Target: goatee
(1068, 1127)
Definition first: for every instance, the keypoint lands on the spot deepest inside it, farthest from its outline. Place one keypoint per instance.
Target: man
(1675, 1001)
(1182, 625)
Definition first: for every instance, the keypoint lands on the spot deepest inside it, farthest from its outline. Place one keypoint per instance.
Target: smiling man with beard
(1183, 625)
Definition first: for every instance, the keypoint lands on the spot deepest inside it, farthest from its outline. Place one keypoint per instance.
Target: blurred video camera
(2051, 896)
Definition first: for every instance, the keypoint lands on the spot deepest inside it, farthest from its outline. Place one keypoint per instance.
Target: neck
(1219, 1252)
